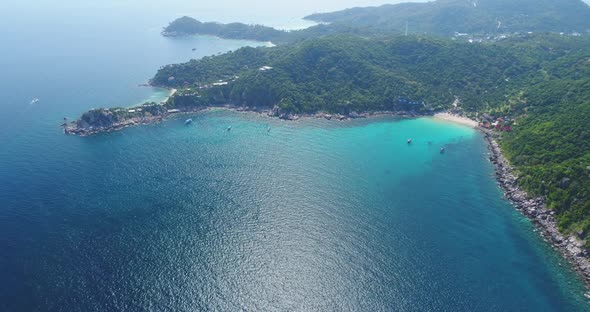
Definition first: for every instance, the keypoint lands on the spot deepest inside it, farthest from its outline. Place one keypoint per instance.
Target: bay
(313, 215)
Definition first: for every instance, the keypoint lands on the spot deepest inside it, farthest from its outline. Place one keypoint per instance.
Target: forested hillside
(444, 17)
(551, 144)
(350, 73)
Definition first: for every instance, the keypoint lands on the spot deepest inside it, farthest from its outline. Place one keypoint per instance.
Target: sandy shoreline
(456, 119)
(172, 92)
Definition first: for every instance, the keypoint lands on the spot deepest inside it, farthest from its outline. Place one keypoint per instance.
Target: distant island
(187, 26)
(440, 18)
(529, 90)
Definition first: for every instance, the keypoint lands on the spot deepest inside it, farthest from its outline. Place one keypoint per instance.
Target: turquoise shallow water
(315, 215)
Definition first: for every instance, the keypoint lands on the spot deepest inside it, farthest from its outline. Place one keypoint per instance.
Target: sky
(259, 11)
(157, 13)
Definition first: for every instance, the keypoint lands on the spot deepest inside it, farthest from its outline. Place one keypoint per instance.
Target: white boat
(188, 122)
(410, 141)
(229, 128)
(34, 101)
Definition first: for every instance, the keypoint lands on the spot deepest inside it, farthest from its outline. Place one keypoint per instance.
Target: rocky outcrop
(571, 247)
(282, 114)
(104, 120)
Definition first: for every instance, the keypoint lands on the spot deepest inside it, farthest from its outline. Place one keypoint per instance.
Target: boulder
(274, 112)
(354, 115)
(565, 183)
(286, 116)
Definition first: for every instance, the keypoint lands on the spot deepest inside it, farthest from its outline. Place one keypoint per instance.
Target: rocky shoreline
(571, 247)
(74, 129)
(86, 129)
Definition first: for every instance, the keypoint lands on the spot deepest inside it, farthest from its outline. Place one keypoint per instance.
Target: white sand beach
(456, 119)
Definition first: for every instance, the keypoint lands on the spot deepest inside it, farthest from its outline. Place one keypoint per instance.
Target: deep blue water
(315, 215)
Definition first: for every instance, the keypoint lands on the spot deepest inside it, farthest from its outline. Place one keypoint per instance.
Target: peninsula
(187, 26)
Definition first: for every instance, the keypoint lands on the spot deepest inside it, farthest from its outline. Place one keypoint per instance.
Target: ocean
(311, 215)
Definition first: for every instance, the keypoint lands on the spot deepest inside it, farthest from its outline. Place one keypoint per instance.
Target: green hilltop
(346, 73)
